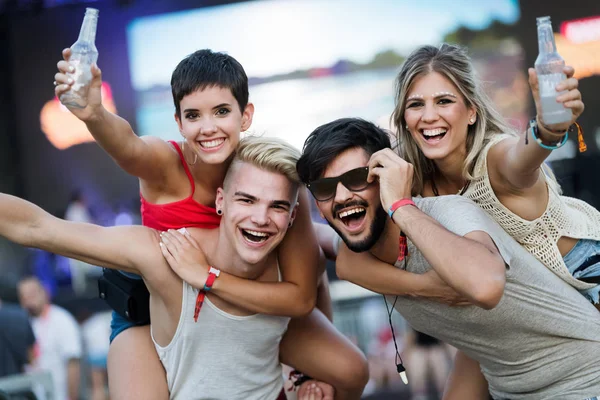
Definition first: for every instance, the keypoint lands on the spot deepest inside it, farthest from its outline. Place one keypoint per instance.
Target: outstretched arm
(129, 248)
(466, 382)
(141, 157)
(514, 164)
(294, 296)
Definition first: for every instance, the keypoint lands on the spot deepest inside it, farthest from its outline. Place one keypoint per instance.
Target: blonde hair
(268, 153)
(453, 62)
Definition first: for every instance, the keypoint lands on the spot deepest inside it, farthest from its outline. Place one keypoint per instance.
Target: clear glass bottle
(549, 67)
(83, 55)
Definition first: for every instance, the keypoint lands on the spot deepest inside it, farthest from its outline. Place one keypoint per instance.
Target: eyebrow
(214, 108)
(254, 198)
(435, 96)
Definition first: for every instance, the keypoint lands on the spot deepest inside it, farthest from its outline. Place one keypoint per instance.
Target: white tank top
(223, 356)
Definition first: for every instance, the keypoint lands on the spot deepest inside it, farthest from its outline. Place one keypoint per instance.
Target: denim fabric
(576, 261)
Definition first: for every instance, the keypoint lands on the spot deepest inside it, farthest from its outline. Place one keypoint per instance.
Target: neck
(386, 248)
(449, 178)
(209, 176)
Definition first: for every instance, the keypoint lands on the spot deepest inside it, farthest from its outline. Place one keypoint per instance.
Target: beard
(375, 231)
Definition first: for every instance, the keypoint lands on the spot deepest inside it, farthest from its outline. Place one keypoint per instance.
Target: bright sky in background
(279, 36)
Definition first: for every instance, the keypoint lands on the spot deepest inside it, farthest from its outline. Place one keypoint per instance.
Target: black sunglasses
(354, 180)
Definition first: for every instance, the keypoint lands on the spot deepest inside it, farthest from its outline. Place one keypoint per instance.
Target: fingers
(172, 244)
(374, 174)
(568, 84)
(64, 67)
(569, 71)
(66, 53)
(96, 76)
(569, 96)
(190, 240)
(533, 80)
(166, 254)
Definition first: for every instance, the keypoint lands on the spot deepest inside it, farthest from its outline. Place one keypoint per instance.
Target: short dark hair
(205, 68)
(330, 140)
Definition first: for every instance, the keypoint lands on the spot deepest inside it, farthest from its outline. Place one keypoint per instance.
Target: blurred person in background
(429, 361)
(58, 338)
(17, 340)
(96, 339)
(78, 211)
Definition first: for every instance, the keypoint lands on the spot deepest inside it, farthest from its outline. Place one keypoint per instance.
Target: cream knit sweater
(564, 216)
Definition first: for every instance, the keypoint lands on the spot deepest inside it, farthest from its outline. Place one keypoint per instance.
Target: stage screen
(312, 61)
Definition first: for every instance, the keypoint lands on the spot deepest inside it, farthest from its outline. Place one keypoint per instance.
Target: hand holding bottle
(64, 83)
(567, 95)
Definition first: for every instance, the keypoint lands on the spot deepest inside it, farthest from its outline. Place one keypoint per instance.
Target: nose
(260, 216)
(208, 126)
(342, 194)
(430, 113)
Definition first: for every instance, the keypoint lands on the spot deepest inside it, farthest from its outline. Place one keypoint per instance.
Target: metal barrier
(31, 386)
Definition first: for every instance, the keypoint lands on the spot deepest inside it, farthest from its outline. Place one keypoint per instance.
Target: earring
(472, 121)
(219, 212)
(290, 224)
(183, 153)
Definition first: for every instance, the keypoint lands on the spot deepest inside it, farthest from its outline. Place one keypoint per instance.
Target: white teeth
(211, 143)
(351, 211)
(256, 233)
(434, 132)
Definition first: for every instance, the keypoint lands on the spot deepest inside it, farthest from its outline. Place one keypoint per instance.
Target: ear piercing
(219, 212)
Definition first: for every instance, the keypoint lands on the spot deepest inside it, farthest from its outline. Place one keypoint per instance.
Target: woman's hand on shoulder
(184, 256)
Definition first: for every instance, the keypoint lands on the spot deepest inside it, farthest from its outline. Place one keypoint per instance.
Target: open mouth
(212, 144)
(254, 237)
(434, 135)
(352, 217)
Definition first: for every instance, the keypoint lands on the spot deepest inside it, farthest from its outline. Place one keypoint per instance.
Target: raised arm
(129, 248)
(294, 296)
(141, 157)
(514, 164)
(470, 264)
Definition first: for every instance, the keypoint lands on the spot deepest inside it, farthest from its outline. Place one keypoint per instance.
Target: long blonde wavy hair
(453, 62)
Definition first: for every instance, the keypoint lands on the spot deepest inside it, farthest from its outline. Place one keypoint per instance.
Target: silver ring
(55, 83)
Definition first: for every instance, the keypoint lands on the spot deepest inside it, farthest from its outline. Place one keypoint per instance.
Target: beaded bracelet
(534, 130)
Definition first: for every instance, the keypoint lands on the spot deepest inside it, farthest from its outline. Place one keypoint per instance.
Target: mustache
(338, 207)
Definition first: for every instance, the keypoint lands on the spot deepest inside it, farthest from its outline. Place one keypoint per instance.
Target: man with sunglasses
(529, 333)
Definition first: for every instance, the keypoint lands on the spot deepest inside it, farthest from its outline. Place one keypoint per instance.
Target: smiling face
(258, 206)
(437, 117)
(357, 216)
(211, 122)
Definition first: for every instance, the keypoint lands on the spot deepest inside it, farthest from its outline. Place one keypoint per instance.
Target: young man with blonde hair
(208, 347)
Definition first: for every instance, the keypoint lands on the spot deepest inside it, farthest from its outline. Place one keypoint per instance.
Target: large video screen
(312, 61)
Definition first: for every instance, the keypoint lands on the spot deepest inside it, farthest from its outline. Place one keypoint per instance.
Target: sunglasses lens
(356, 179)
(323, 189)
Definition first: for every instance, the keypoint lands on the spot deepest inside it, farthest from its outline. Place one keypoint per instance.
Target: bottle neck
(88, 29)
(546, 39)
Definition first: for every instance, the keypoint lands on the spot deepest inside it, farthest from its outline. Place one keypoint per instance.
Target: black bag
(129, 297)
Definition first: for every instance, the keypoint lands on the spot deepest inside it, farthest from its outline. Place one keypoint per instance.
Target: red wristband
(400, 203)
(213, 273)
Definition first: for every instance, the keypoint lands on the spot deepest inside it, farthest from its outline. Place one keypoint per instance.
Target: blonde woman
(458, 143)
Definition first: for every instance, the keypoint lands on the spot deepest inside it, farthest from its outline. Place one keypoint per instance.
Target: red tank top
(183, 213)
